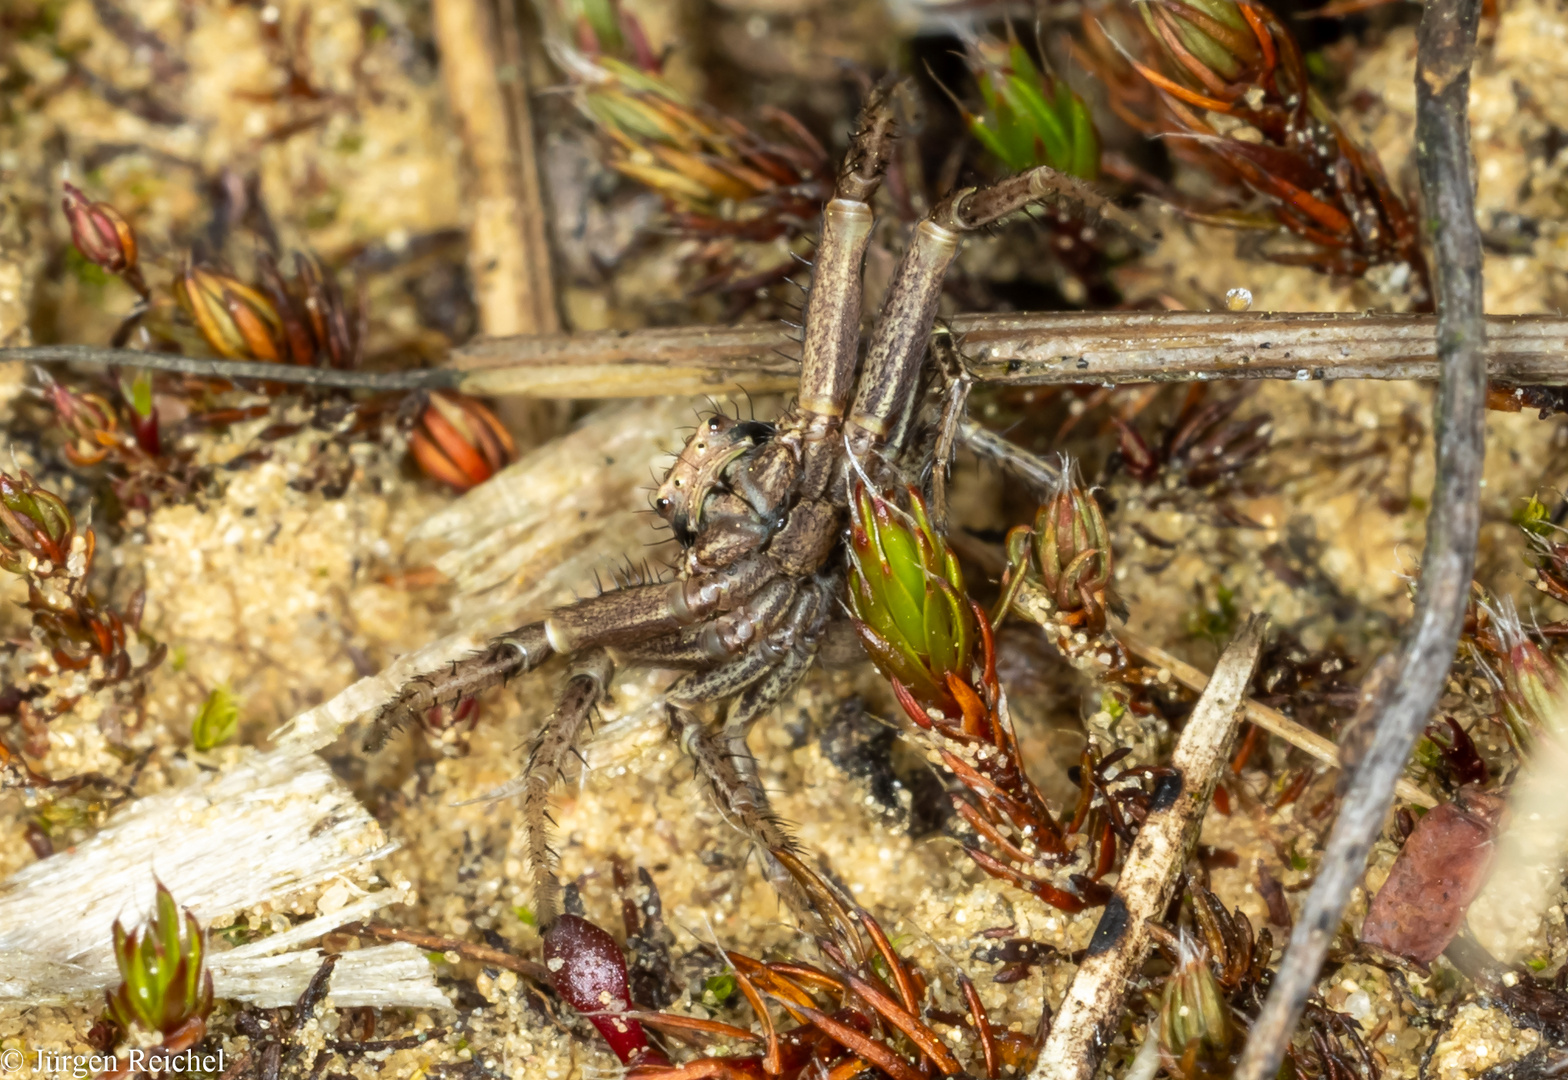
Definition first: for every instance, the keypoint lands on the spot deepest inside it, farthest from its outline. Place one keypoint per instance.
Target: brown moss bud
(1195, 1029)
(237, 321)
(35, 527)
(103, 236)
(460, 442)
(1070, 550)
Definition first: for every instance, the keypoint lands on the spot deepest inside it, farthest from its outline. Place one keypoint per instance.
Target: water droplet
(1238, 299)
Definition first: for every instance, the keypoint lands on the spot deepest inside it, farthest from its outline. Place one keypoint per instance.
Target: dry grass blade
(483, 954)
(1024, 349)
(1446, 43)
(509, 255)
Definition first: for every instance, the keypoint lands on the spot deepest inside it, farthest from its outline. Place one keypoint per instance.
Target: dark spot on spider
(1167, 789)
(662, 504)
(758, 431)
(715, 423)
(1113, 925)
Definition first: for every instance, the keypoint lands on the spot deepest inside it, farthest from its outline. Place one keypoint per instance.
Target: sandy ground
(287, 596)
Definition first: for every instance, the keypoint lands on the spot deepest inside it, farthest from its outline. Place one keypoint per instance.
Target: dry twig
(1017, 349)
(1092, 1008)
(1445, 45)
(468, 950)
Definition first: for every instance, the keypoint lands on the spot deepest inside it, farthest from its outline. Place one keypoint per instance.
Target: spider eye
(714, 423)
(662, 504)
(702, 446)
(676, 481)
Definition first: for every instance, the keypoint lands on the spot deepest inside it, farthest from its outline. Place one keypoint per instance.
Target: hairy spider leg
(557, 738)
(885, 400)
(832, 313)
(618, 617)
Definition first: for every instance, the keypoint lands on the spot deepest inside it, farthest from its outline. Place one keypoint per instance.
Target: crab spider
(759, 510)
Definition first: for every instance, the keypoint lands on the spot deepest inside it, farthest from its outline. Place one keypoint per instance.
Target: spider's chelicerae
(759, 510)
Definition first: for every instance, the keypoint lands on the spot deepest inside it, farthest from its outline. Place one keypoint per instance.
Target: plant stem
(207, 367)
(1092, 1009)
(1022, 349)
(469, 950)
(1445, 46)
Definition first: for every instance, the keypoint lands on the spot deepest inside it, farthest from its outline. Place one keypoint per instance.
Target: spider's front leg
(798, 463)
(629, 616)
(884, 401)
(503, 657)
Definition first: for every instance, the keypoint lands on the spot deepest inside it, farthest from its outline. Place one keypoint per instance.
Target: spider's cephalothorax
(759, 511)
(695, 493)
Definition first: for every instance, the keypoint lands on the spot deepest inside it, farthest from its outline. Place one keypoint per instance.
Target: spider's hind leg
(884, 398)
(724, 763)
(740, 798)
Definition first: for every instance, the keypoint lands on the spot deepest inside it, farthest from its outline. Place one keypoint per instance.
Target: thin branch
(469, 950)
(1022, 349)
(1445, 46)
(539, 300)
(234, 370)
(1092, 1009)
(1271, 720)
